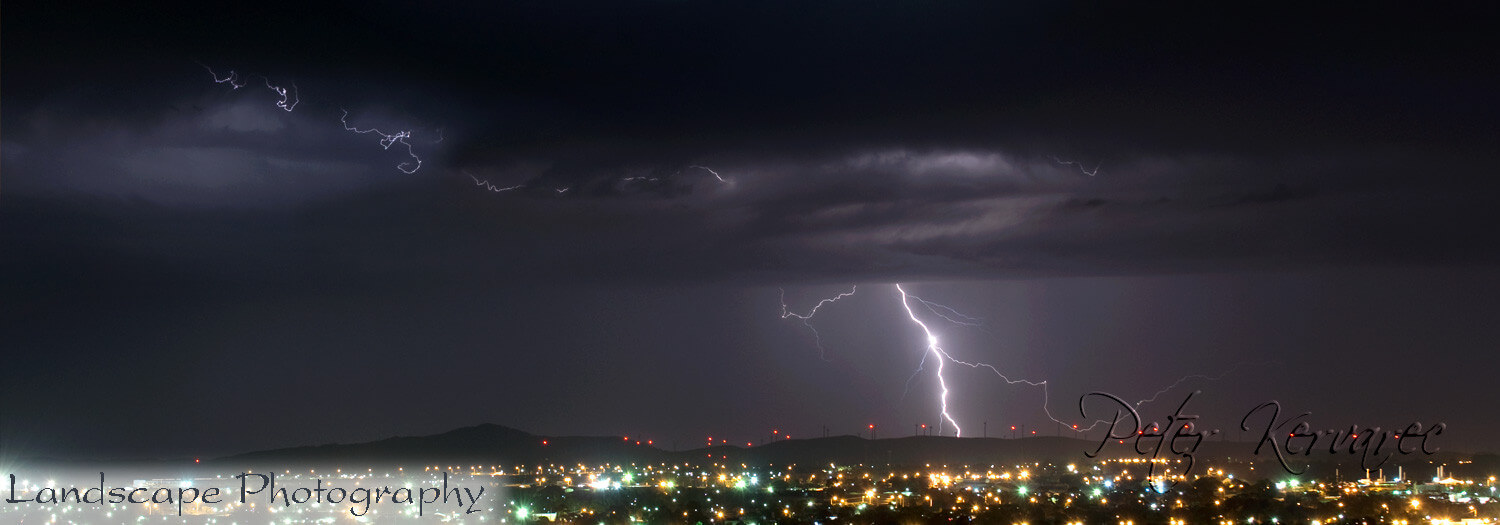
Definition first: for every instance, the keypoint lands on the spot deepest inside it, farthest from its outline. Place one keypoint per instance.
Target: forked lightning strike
(932, 346)
(935, 349)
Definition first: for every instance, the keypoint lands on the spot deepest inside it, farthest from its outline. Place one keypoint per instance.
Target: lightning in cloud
(289, 98)
(1079, 165)
(710, 172)
(233, 79)
(387, 140)
(807, 318)
(492, 187)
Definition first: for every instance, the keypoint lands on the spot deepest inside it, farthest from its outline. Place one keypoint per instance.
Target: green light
(522, 513)
(1021, 490)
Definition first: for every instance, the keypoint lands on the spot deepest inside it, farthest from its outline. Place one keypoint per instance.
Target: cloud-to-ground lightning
(807, 318)
(1079, 165)
(387, 140)
(935, 350)
(289, 98)
(932, 346)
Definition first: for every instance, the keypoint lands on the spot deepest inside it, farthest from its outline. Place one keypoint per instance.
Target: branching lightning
(387, 140)
(938, 310)
(1079, 165)
(934, 349)
(807, 318)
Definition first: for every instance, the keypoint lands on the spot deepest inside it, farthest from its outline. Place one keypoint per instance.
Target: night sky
(1297, 201)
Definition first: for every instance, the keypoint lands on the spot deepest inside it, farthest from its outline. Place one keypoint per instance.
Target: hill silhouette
(491, 445)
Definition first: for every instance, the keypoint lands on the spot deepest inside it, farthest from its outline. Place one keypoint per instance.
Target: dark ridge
(490, 445)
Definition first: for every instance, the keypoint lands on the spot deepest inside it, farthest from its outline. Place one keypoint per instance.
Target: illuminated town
(1112, 491)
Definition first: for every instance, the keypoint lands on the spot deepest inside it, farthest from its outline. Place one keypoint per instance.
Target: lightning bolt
(710, 172)
(288, 100)
(233, 79)
(387, 140)
(807, 318)
(938, 310)
(1189, 377)
(935, 350)
(1081, 169)
(487, 185)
